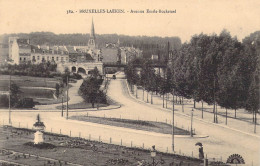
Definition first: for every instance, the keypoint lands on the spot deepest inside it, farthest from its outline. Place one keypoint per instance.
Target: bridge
(116, 64)
(88, 66)
(81, 67)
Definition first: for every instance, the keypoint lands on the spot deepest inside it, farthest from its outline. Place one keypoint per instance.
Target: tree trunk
(152, 97)
(147, 98)
(235, 113)
(216, 113)
(226, 116)
(163, 101)
(253, 116)
(136, 92)
(176, 99)
(166, 100)
(194, 104)
(180, 100)
(202, 109)
(143, 94)
(182, 105)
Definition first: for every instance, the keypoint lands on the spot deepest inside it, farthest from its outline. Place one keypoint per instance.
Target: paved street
(221, 142)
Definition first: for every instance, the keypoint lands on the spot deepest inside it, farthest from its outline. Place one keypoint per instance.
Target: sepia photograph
(129, 83)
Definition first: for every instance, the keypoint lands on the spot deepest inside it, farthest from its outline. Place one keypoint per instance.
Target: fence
(110, 140)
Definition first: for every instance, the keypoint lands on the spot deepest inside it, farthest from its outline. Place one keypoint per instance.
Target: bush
(41, 146)
(76, 76)
(4, 101)
(26, 103)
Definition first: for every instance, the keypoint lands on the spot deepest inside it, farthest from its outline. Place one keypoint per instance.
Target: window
(38, 57)
(52, 58)
(57, 58)
(24, 59)
(62, 59)
(48, 58)
(33, 58)
(20, 58)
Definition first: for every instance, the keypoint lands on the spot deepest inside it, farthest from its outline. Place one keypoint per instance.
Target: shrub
(26, 103)
(4, 101)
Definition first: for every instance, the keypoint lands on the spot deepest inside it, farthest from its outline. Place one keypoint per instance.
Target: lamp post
(173, 120)
(191, 120)
(67, 97)
(62, 105)
(10, 122)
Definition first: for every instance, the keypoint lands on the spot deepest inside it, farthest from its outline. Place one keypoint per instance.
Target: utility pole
(173, 120)
(10, 122)
(62, 105)
(67, 97)
(214, 109)
(255, 122)
(191, 120)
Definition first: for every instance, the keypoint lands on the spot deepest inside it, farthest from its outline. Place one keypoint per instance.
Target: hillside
(149, 45)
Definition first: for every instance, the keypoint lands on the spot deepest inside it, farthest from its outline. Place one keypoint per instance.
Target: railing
(99, 138)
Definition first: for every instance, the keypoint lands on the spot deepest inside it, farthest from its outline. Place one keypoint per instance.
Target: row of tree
(28, 69)
(216, 69)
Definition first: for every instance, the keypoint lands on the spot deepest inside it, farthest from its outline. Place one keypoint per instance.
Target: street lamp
(62, 105)
(67, 97)
(10, 121)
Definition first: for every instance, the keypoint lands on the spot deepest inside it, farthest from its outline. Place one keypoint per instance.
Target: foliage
(149, 45)
(217, 69)
(26, 103)
(29, 69)
(90, 89)
(57, 92)
(17, 100)
(4, 100)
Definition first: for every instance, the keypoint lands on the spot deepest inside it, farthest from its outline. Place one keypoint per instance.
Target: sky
(239, 17)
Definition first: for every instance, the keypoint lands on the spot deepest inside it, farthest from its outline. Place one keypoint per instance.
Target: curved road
(221, 142)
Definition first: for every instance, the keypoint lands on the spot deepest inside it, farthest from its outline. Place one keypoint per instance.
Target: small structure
(39, 127)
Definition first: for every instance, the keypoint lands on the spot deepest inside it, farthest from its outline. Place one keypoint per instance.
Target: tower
(92, 38)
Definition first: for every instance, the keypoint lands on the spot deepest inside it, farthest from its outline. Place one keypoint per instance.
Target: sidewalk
(241, 124)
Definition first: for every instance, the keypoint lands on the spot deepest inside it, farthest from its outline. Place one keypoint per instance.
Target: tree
(57, 92)
(15, 93)
(95, 73)
(4, 101)
(90, 92)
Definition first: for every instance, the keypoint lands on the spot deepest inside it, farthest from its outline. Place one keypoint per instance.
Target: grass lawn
(26, 81)
(37, 93)
(40, 96)
(78, 151)
(83, 105)
(158, 127)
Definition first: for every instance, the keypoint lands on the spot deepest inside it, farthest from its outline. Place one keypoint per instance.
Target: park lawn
(158, 127)
(83, 105)
(37, 93)
(81, 152)
(27, 84)
(27, 81)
